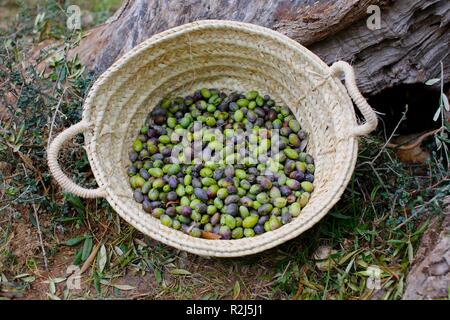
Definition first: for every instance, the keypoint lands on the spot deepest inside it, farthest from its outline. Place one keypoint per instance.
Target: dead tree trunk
(413, 39)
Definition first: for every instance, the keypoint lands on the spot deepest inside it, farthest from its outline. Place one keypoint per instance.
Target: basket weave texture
(231, 56)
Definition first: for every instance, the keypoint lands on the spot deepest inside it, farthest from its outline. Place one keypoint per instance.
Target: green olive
(237, 233)
(307, 186)
(250, 221)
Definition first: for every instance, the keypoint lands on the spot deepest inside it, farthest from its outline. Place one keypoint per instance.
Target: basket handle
(342, 67)
(52, 157)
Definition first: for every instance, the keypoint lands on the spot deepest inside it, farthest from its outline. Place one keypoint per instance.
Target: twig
(392, 135)
(54, 119)
(414, 192)
(90, 259)
(36, 216)
(413, 142)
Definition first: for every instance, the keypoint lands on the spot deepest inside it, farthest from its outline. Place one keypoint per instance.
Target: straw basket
(230, 56)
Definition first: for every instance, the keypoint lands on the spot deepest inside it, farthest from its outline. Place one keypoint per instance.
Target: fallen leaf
(28, 279)
(52, 287)
(236, 290)
(53, 296)
(180, 272)
(408, 147)
(74, 241)
(87, 248)
(102, 258)
(124, 287)
(322, 257)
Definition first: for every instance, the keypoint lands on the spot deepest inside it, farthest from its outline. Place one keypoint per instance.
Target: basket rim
(189, 27)
(276, 237)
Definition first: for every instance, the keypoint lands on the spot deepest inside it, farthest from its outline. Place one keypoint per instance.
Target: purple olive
(263, 219)
(286, 217)
(172, 196)
(232, 199)
(173, 182)
(186, 211)
(232, 209)
(132, 171)
(138, 196)
(259, 229)
(144, 174)
(155, 204)
(232, 189)
(133, 156)
(216, 229)
(264, 182)
(297, 175)
(201, 194)
(229, 171)
(285, 191)
(196, 183)
(146, 205)
(215, 219)
(309, 177)
(171, 212)
(218, 174)
(201, 208)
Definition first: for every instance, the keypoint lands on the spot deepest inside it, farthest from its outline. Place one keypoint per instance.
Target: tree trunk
(413, 39)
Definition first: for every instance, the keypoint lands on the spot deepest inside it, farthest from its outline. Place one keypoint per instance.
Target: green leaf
(438, 142)
(180, 272)
(124, 287)
(158, 276)
(74, 241)
(32, 218)
(75, 202)
(410, 253)
(102, 258)
(436, 115)
(236, 290)
(52, 287)
(97, 285)
(87, 248)
(421, 228)
(445, 102)
(77, 258)
(432, 81)
(28, 279)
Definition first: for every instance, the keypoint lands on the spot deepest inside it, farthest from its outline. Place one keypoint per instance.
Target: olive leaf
(432, 81)
(236, 290)
(445, 102)
(180, 272)
(102, 258)
(123, 287)
(87, 248)
(74, 241)
(437, 114)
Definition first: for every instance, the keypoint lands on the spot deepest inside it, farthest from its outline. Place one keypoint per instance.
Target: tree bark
(413, 39)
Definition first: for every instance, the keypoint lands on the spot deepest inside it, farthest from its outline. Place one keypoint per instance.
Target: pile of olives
(221, 166)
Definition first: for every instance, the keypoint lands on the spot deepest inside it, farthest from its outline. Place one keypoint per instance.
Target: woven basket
(225, 55)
